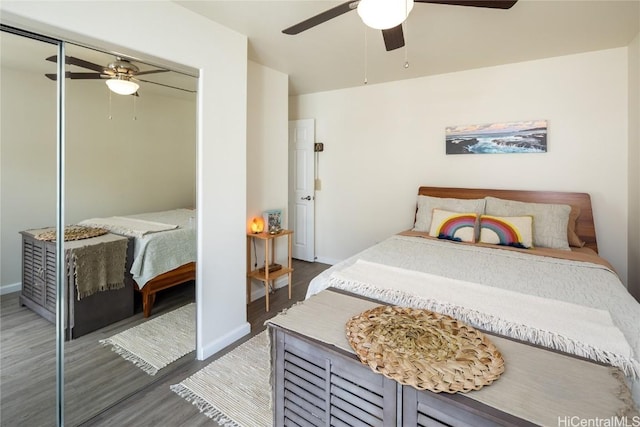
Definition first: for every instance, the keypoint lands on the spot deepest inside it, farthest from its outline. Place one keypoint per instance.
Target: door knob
(305, 198)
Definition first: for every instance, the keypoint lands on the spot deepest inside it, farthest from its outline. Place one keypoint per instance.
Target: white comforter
(162, 240)
(577, 283)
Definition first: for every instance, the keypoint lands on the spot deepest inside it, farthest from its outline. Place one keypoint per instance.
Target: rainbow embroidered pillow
(457, 226)
(516, 231)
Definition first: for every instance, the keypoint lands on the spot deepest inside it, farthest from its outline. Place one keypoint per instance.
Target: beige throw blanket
(132, 227)
(575, 329)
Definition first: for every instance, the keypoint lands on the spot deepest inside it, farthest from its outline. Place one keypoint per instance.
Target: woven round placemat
(423, 349)
(72, 232)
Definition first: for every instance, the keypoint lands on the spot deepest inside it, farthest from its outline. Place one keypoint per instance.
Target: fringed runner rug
(158, 342)
(234, 390)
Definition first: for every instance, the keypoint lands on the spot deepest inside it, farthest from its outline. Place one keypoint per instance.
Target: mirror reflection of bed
(126, 157)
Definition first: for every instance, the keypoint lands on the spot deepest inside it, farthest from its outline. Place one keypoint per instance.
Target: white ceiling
(439, 38)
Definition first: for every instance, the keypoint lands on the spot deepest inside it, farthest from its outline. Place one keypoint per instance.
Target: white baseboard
(7, 289)
(229, 338)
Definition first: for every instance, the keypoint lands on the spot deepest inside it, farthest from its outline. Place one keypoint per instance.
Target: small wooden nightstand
(269, 256)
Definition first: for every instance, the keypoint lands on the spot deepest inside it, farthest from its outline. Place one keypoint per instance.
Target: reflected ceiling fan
(387, 15)
(120, 75)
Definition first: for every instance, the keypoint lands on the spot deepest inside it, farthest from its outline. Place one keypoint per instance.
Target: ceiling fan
(120, 75)
(387, 15)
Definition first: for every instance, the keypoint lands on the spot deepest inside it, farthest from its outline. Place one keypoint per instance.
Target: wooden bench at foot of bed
(177, 276)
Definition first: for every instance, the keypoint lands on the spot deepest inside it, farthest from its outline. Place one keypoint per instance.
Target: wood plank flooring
(27, 365)
(131, 397)
(157, 405)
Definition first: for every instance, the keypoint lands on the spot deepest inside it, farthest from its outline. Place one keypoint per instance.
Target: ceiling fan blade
(79, 62)
(494, 4)
(85, 76)
(393, 38)
(169, 86)
(76, 76)
(151, 72)
(321, 17)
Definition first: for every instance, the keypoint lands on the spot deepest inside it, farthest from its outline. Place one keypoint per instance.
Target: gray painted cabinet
(81, 316)
(318, 385)
(39, 276)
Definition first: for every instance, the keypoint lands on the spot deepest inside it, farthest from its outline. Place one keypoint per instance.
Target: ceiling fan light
(384, 14)
(122, 86)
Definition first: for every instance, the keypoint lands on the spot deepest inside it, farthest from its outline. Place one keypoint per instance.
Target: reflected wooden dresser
(82, 315)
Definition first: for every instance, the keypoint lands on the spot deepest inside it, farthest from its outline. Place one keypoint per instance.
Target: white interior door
(301, 188)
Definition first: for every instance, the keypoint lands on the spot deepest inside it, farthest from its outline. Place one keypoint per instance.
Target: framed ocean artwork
(528, 136)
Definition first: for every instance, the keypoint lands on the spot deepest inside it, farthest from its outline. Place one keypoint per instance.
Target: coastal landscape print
(528, 136)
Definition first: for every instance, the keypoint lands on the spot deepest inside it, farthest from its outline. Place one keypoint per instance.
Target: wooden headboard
(585, 228)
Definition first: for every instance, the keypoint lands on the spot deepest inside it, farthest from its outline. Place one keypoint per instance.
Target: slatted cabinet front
(39, 276)
(318, 387)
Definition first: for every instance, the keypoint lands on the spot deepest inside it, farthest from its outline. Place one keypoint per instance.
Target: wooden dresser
(317, 380)
(82, 316)
(315, 384)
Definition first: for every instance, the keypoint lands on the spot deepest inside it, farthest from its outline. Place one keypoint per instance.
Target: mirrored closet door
(122, 156)
(130, 163)
(28, 199)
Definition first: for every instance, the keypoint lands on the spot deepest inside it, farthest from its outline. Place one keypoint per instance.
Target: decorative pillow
(426, 205)
(513, 231)
(460, 227)
(551, 221)
(572, 237)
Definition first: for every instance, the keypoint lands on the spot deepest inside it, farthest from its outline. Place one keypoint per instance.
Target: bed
(499, 284)
(164, 249)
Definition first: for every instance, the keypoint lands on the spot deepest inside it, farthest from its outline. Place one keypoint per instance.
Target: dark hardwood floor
(95, 377)
(155, 404)
(303, 272)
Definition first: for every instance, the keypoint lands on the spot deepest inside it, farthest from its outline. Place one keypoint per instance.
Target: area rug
(234, 390)
(156, 343)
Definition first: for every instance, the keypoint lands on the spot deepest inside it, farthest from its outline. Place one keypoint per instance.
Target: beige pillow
(516, 231)
(572, 236)
(426, 205)
(460, 227)
(550, 221)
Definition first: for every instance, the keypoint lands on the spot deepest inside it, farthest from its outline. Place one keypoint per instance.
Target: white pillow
(513, 231)
(453, 225)
(426, 205)
(549, 220)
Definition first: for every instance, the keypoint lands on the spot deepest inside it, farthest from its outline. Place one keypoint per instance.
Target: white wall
(267, 154)
(221, 56)
(634, 167)
(28, 165)
(126, 165)
(114, 166)
(383, 141)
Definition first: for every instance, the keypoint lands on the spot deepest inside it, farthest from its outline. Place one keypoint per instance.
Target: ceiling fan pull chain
(135, 117)
(405, 26)
(110, 116)
(365, 56)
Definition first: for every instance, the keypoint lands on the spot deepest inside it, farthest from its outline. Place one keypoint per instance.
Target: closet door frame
(60, 179)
